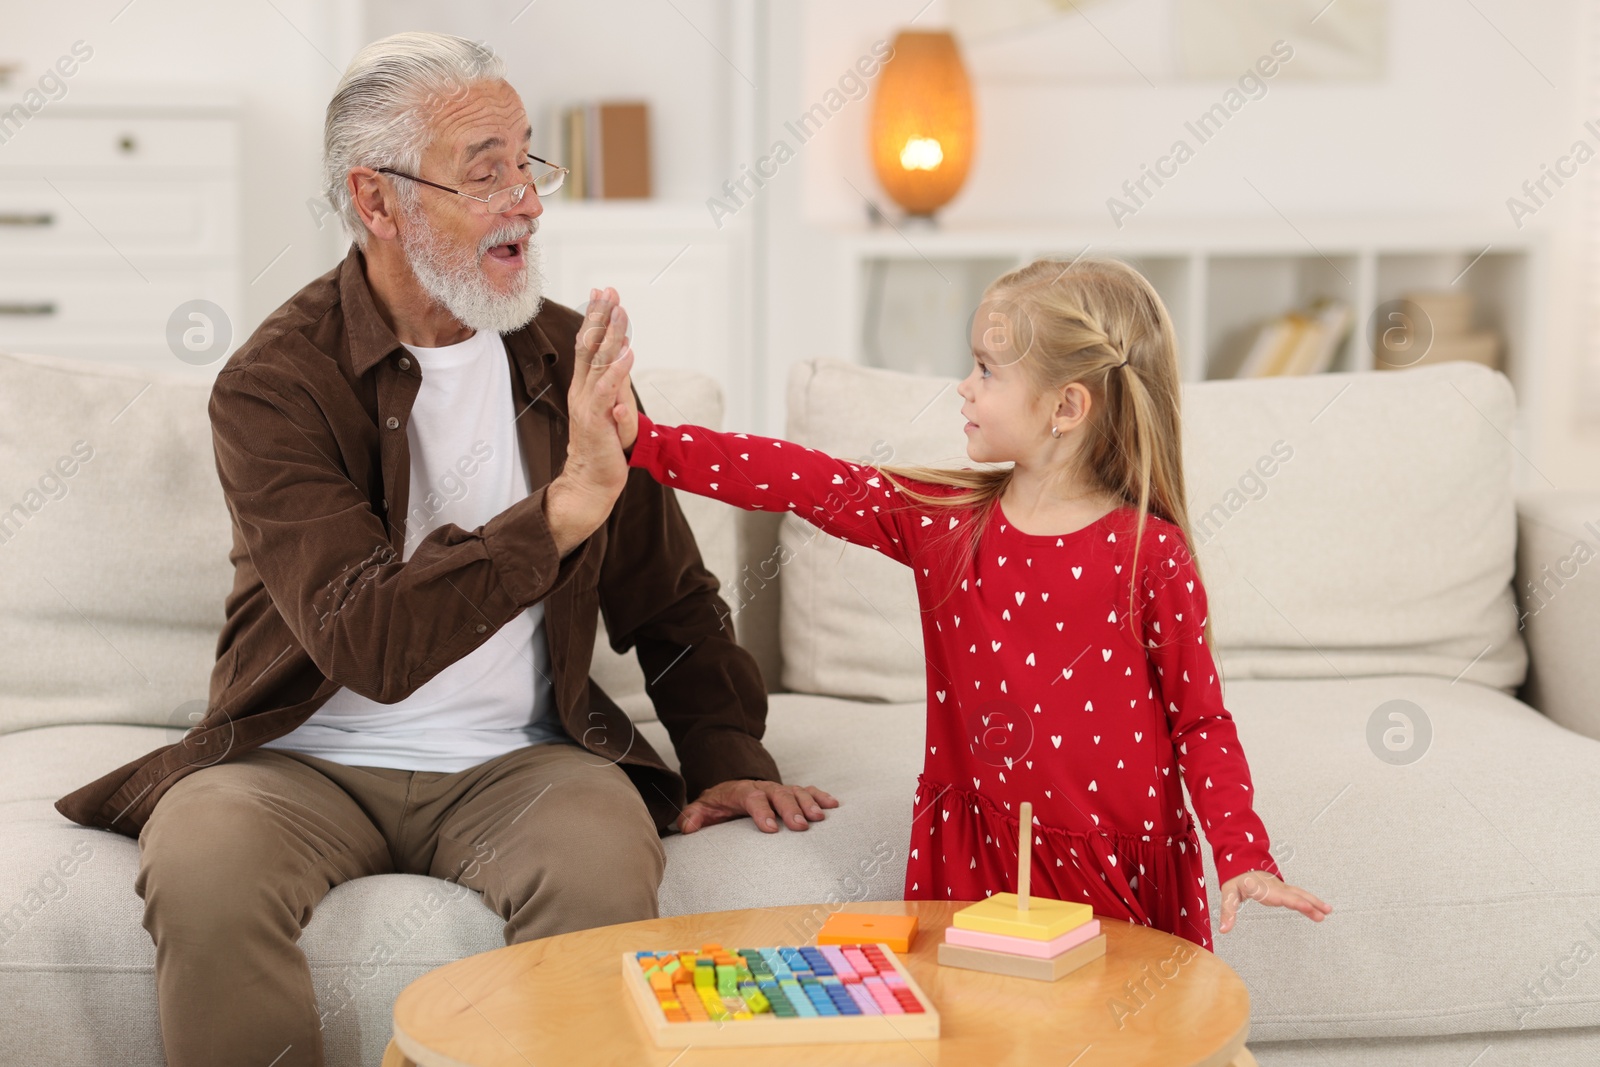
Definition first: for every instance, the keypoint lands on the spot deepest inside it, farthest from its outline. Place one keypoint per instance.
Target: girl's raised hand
(1268, 889)
(626, 414)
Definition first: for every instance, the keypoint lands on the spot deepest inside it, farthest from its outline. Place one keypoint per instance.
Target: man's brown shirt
(308, 423)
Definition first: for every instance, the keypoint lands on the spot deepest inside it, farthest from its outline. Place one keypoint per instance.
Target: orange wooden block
(846, 928)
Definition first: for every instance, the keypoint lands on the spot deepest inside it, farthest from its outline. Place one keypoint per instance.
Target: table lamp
(923, 124)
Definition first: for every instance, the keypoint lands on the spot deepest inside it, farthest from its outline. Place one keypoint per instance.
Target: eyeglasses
(498, 203)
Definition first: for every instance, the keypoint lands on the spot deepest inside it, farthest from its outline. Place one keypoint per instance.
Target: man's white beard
(456, 278)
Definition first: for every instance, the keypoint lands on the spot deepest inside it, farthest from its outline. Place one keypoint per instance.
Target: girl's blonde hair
(1079, 322)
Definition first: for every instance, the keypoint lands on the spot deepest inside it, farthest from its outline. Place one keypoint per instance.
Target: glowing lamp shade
(923, 128)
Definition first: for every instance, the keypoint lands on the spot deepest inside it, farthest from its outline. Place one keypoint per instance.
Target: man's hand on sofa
(798, 805)
(1268, 889)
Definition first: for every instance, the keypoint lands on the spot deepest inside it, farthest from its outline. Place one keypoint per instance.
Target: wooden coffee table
(561, 1000)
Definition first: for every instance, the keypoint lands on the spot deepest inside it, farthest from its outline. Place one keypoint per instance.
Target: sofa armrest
(1558, 602)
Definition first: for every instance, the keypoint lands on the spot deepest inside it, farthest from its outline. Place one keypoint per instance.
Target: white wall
(1463, 116)
(1455, 126)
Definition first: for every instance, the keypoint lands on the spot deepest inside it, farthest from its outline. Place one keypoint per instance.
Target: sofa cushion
(849, 624)
(77, 967)
(114, 564)
(867, 757)
(1460, 881)
(1345, 524)
(1456, 879)
(114, 541)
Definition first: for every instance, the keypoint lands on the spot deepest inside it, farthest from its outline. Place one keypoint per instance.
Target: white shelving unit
(910, 293)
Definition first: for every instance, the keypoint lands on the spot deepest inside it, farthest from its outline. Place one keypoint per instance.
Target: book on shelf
(1299, 342)
(606, 147)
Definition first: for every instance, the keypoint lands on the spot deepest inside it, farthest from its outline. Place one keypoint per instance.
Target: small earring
(1055, 431)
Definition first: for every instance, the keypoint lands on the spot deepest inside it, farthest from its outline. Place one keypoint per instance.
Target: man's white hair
(380, 113)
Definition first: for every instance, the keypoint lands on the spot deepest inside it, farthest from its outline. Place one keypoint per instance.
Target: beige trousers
(236, 856)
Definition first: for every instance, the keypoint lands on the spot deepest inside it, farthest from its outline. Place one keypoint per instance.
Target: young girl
(1065, 627)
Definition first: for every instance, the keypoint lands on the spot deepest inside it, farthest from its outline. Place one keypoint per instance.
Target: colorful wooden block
(1022, 946)
(846, 928)
(978, 959)
(784, 995)
(1045, 919)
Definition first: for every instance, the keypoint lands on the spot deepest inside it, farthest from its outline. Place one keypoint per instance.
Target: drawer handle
(44, 309)
(17, 218)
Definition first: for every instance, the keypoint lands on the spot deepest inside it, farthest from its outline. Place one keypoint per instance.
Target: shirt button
(393, 423)
(386, 504)
(481, 627)
(405, 363)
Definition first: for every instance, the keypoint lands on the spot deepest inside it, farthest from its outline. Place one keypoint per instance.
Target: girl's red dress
(1038, 688)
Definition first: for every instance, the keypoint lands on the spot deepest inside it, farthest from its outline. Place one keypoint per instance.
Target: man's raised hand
(596, 317)
(602, 359)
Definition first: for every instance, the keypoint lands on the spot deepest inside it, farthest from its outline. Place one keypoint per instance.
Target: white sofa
(1375, 563)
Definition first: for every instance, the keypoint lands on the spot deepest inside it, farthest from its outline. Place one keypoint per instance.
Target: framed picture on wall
(1332, 39)
(1162, 42)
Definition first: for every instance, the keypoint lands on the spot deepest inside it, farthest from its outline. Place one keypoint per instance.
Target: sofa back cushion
(1345, 524)
(849, 625)
(114, 544)
(114, 540)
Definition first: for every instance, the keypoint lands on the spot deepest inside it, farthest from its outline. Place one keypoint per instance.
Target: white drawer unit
(61, 138)
(45, 312)
(114, 216)
(69, 218)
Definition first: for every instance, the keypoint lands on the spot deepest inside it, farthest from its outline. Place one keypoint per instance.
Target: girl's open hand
(1268, 889)
(626, 414)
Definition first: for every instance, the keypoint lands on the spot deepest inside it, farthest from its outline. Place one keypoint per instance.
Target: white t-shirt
(466, 468)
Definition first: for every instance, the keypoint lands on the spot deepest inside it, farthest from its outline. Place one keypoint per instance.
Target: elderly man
(429, 507)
